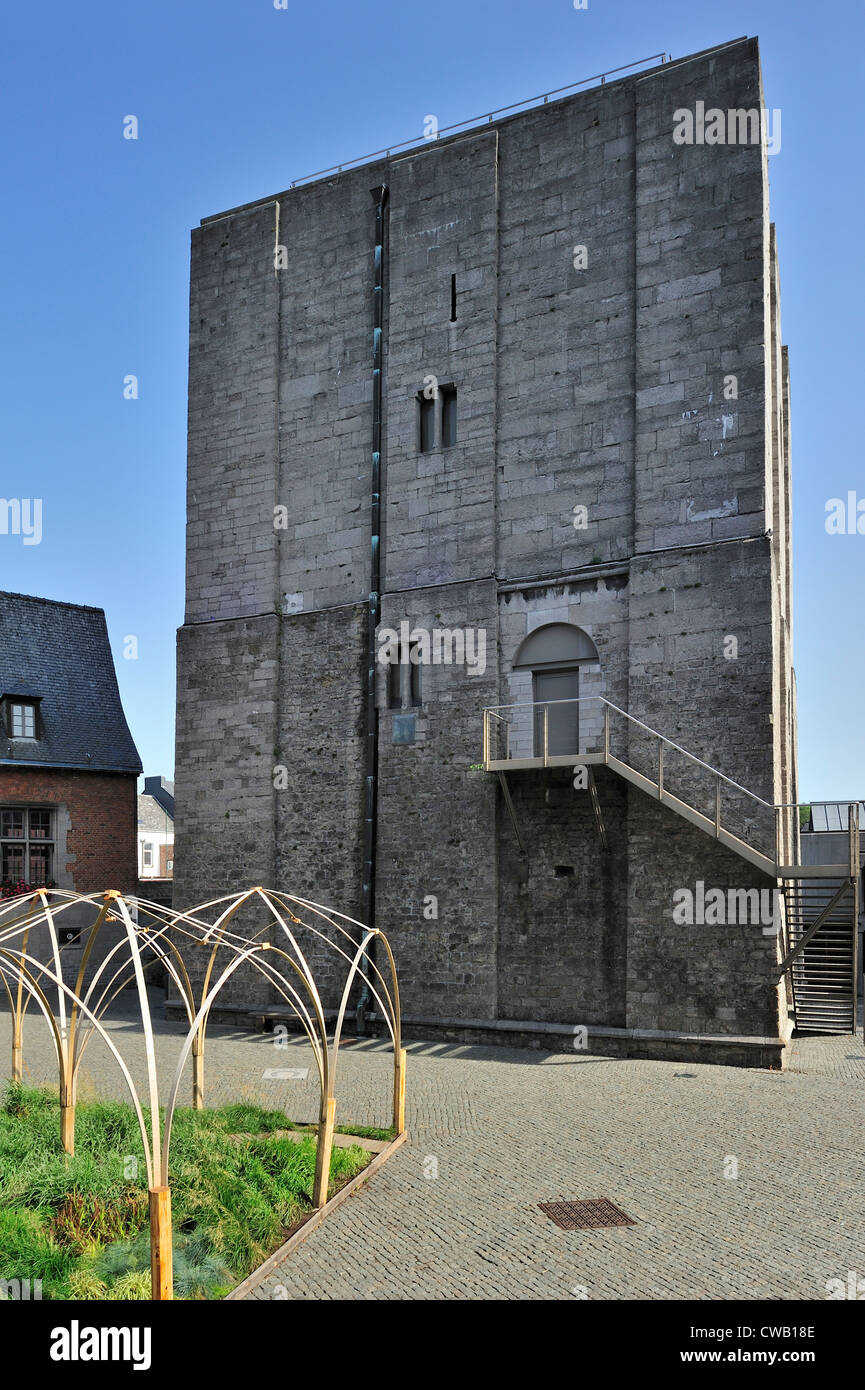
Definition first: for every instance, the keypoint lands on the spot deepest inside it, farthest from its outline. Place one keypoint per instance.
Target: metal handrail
(834, 801)
(543, 98)
(530, 704)
(771, 806)
(663, 741)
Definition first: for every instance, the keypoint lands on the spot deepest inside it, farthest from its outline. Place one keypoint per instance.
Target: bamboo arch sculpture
(151, 933)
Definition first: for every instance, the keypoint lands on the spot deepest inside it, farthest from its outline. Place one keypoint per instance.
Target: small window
(394, 697)
(147, 856)
(449, 416)
(40, 825)
(169, 865)
(453, 299)
(23, 721)
(415, 690)
(427, 423)
(40, 865)
(13, 869)
(12, 825)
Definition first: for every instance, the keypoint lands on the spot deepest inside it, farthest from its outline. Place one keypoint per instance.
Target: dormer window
(23, 719)
(20, 717)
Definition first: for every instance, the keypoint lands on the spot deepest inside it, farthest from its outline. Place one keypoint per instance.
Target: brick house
(68, 763)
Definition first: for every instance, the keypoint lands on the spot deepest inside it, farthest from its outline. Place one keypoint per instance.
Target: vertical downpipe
(380, 195)
(280, 645)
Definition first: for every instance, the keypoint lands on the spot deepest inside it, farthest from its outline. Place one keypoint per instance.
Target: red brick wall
(103, 822)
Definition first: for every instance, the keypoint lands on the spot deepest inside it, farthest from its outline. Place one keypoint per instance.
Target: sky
(236, 98)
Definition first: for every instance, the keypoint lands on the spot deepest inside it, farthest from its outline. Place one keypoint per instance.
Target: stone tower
(523, 387)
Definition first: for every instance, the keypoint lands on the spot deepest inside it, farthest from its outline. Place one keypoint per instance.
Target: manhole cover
(576, 1216)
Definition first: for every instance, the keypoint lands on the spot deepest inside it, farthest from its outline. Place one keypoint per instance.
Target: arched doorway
(554, 653)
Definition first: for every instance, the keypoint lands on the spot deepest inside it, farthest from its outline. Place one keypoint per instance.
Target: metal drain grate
(577, 1216)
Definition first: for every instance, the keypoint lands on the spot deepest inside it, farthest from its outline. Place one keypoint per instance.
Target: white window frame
(23, 715)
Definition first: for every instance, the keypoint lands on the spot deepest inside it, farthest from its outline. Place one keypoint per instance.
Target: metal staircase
(818, 939)
(822, 953)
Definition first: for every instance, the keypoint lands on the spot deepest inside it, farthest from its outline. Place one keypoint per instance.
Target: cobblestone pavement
(494, 1131)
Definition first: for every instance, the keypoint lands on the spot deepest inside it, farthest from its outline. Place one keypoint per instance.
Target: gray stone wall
(225, 801)
(437, 819)
(694, 978)
(319, 813)
(233, 371)
(610, 284)
(563, 945)
(439, 506)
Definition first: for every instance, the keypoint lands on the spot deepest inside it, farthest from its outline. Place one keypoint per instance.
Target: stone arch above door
(554, 644)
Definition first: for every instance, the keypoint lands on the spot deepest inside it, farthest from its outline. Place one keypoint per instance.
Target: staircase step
(822, 975)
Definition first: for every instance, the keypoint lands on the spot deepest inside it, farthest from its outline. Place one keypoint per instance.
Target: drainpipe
(380, 196)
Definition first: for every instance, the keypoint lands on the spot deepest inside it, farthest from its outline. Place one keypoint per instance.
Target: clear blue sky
(235, 99)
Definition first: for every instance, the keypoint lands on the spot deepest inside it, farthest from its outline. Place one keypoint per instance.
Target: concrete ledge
(244, 1016)
(722, 1049)
(729, 1050)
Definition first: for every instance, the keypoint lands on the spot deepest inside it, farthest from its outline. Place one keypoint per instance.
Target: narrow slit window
(415, 690)
(449, 416)
(453, 299)
(394, 693)
(427, 424)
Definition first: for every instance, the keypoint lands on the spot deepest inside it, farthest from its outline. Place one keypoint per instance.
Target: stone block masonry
(604, 303)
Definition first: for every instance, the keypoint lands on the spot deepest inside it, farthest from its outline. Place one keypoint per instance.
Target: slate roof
(59, 654)
(156, 805)
(151, 815)
(162, 792)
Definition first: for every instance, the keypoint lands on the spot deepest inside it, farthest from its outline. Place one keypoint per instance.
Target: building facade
(68, 763)
(156, 829)
(511, 408)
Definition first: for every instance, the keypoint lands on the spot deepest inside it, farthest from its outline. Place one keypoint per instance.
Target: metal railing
(475, 121)
(511, 737)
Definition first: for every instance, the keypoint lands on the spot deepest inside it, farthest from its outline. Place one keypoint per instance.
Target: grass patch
(366, 1132)
(80, 1224)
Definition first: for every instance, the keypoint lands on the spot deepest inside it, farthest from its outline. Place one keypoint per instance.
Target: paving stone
(504, 1129)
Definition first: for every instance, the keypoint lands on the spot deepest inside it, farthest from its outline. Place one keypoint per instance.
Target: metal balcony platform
(819, 934)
